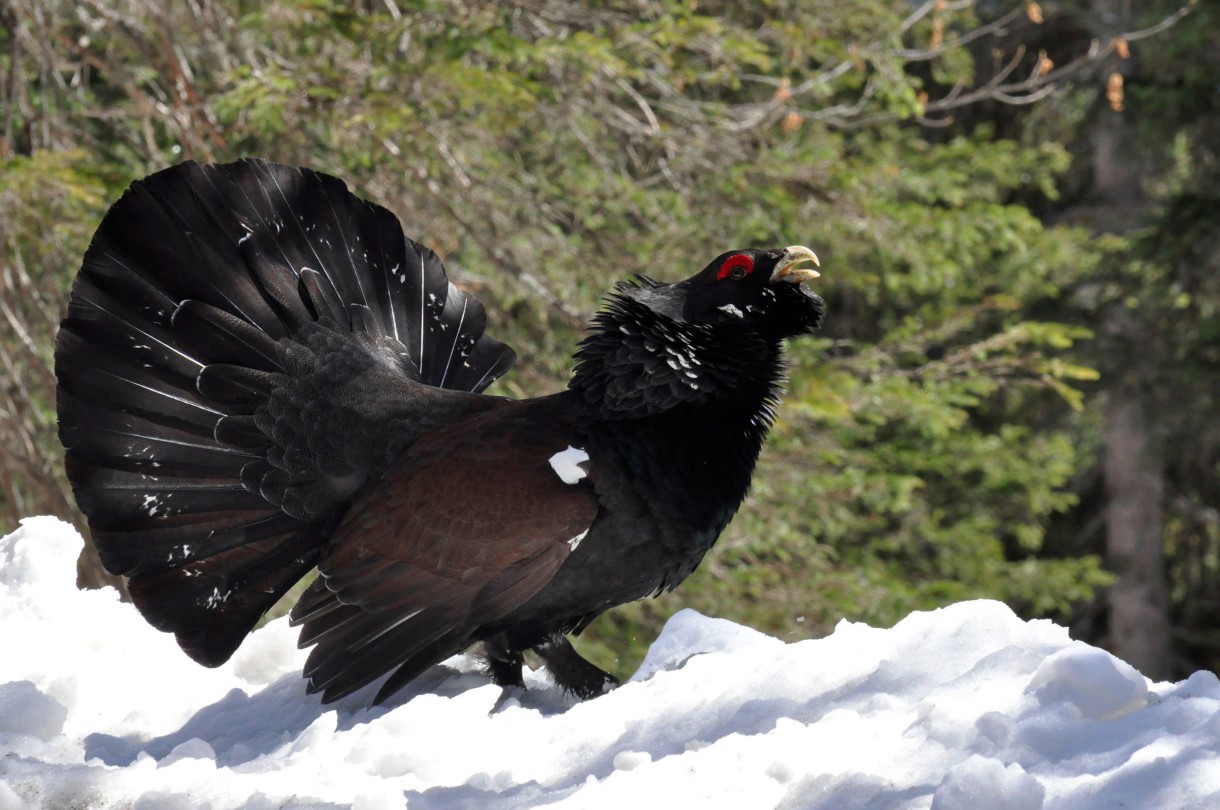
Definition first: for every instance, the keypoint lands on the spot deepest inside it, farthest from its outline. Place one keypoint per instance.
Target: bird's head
(760, 290)
(716, 335)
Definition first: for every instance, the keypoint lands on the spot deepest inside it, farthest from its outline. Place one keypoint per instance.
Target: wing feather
(467, 527)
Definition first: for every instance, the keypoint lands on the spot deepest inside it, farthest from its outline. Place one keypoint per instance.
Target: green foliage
(49, 203)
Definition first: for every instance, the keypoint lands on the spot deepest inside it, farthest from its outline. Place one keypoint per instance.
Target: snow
(963, 707)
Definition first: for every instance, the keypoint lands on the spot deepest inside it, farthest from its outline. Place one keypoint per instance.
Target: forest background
(1015, 204)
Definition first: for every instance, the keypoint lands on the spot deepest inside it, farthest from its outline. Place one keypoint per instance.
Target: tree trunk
(1134, 475)
(1139, 621)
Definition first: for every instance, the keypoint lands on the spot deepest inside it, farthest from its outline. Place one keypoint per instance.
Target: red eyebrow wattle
(736, 260)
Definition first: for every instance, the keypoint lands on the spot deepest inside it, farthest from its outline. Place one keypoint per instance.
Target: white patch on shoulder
(575, 541)
(731, 310)
(566, 464)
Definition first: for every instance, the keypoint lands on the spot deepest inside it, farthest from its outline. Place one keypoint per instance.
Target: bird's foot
(571, 672)
(502, 665)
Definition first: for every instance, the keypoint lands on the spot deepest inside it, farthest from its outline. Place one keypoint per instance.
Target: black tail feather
(320, 294)
(223, 382)
(173, 365)
(230, 593)
(219, 334)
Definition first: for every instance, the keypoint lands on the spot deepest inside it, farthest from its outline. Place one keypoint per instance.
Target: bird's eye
(736, 267)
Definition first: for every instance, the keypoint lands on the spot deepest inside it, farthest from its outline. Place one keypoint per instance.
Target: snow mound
(958, 708)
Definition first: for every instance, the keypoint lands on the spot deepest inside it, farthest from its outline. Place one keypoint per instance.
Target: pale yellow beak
(788, 268)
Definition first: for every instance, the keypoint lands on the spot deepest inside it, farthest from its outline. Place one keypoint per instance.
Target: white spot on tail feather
(566, 464)
(575, 541)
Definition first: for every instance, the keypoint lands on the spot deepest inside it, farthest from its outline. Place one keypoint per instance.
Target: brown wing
(469, 525)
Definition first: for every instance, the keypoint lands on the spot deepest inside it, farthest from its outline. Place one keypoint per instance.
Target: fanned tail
(222, 317)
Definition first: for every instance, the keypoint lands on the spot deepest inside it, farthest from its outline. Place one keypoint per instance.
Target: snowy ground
(962, 708)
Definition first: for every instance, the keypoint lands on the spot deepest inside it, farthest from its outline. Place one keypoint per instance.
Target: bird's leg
(573, 673)
(502, 664)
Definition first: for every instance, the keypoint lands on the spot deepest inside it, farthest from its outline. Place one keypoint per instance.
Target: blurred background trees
(1014, 395)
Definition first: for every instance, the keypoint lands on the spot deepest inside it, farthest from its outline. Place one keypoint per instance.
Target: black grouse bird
(259, 374)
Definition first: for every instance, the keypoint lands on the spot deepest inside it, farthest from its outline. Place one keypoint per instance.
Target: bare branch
(1032, 89)
(930, 6)
(992, 28)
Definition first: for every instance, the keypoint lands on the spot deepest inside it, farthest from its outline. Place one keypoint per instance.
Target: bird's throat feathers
(642, 359)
